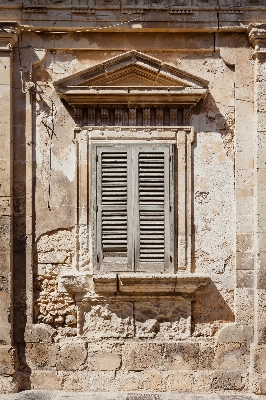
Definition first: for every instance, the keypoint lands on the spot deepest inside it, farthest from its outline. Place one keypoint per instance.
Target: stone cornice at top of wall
(138, 15)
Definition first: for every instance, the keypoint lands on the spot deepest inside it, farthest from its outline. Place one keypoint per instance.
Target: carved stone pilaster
(257, 37)
(7, 352)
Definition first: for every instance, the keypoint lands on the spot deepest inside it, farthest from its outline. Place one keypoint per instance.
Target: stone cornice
(8, 35)
(119, 15)
(257, 38)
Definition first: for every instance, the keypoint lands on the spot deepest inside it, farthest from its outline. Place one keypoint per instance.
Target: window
(134, 211)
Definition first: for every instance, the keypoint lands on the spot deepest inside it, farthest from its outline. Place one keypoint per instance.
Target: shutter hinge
(171, 259)
(170, 208)
(96, 158)
(98, 259)
(169, 157)
(97, 208)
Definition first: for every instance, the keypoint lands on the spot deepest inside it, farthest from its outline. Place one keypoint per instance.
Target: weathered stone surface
(39, 333)
(72, 356)
(106, 361)
(90, 314)
(41, 355)
(103, 320)
(140, 356)
(162, 318)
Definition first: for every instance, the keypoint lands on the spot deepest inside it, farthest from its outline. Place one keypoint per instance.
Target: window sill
(133, 283)
(141, 283)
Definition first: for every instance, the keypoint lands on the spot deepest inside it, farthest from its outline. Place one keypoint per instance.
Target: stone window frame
(180, 137)
(106, 85)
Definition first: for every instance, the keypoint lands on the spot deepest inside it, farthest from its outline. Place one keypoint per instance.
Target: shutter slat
(114, 195)
(151, 193)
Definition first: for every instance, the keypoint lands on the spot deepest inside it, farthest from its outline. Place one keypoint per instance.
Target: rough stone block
(106, 361)
(8, 385)
(41, 355)
(244, 279)
(260, 360)
(182, 381)
(244, 314)
(244, 297)
(244, 261)
(58, 257)
(8, 360)
(107, 320)
(244, 242)
(39, 333)
(101, 381)
(141, 356)
(5, 206)
(202, 382)
(206, 355)
(223, 380)
(72, 356)
(163, 318)
(261, 279)
(46, 380)
(183, 356)
(231, 356)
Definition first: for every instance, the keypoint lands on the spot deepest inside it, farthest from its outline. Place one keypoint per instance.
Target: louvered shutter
(153, 208)
(135, 208)
(114, 247)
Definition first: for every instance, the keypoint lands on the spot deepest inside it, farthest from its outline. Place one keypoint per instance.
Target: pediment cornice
(132, 78)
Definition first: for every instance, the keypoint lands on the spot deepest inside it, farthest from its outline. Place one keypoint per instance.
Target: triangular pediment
(132, 74)
(136, 67)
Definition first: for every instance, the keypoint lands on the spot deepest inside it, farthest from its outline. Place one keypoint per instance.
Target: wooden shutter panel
(113, 245)
(153, 209)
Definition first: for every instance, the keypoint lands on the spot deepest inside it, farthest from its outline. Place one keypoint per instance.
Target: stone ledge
(141, 283)
(58, 395)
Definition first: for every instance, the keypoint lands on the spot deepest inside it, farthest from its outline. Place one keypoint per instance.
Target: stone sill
(141, 283)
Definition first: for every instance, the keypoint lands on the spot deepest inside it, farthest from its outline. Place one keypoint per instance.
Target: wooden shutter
(134, 208)
(153, 208)
(113, 201)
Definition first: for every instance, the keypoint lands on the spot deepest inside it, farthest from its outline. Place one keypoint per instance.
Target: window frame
(133, 263)
(86, 139)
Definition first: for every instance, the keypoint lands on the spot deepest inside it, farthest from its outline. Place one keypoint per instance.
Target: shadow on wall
(209, 310)
(20, 239)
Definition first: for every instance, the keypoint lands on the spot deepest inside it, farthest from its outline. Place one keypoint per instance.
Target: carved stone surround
(131, 80)
(113, 103)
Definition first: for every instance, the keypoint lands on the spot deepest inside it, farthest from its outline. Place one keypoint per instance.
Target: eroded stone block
(39, 333)
(72, 356)
(42, 355)
(107, 320)
(166, 319)
(140, 356)
(106, 361)
(230, 380)
(181, 356)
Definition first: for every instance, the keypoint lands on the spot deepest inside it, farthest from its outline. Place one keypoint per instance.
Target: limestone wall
(69, 335)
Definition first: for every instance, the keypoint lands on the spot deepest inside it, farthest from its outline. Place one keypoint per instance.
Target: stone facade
(133, 220)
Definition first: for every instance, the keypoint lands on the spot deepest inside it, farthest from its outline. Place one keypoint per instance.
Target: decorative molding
(34, 9)
(257, 38)
(8, 37)
(83, 10)
(124, 79)
(181, 11)
(132, 116)
(230, 11)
